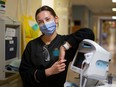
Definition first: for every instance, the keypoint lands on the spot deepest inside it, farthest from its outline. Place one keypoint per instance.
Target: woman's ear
(56, 20)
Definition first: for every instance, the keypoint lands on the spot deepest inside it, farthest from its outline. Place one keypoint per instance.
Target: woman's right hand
(57, 67)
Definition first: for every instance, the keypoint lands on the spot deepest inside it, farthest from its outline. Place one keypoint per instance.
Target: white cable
(81, 74)
(85, 81)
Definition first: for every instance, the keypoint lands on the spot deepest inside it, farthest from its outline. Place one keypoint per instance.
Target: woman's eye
(48, 19)
(40, 23)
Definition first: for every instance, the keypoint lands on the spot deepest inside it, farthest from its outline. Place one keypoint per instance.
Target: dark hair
(45, 8)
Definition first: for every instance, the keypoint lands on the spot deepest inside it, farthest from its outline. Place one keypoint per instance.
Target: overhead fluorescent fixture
(114, 1)
(113, 9)
(113, 17)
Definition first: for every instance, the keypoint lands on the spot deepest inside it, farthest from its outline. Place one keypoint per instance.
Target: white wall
(62, 9)
(48, 2)
(13, 7)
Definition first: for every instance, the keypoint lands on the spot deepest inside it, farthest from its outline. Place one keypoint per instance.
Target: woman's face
(44, 17)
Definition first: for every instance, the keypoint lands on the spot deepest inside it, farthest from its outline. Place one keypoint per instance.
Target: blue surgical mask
(48, 28)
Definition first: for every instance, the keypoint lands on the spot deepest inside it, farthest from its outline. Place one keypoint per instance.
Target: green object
(2, 2)
(35, 27)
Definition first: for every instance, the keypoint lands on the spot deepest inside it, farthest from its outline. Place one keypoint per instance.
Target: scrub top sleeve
(78, 36)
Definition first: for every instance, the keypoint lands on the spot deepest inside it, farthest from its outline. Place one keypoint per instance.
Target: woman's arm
(78, 36)
(74, 39)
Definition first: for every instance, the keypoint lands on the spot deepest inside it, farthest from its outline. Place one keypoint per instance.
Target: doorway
(108, 40)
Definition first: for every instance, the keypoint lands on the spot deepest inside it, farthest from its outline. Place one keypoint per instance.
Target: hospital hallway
(108, 41)
(110, 45)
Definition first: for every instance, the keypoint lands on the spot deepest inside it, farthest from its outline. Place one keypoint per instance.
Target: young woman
(42, 64)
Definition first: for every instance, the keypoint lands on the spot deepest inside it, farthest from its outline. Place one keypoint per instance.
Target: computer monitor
(77, 62)
(84, 47)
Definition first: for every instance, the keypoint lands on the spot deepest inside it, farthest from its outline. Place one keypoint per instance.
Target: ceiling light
(113, 17)
(113, 9)
(114, 1)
